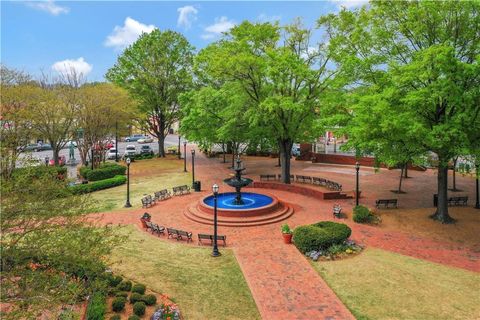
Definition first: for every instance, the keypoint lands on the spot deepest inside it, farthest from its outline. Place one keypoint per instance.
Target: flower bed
(337, 251)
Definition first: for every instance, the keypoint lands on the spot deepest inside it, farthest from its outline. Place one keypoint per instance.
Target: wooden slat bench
(147, 201)
(148, 224)
(458, 201)
(181, 190)
(292, 177)
(162, 195)
(386, 203)
(157, 229)
(210, 238)
(319, 181)
(179, 234)
(304, 179)
(268, 177)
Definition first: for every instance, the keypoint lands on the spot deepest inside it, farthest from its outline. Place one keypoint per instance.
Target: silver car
(130, 151)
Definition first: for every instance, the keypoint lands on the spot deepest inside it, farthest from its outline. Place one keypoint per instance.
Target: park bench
(148, 225)
(319, 181)
(181, 190)
(179, 234)
(162, 195)
(304, 179)
(292, 178)
(337, 210)
(386, 203)
(157, 229)
(147, 201)
(331, 185)
(210, 238)
(268, 177)
(458, 201)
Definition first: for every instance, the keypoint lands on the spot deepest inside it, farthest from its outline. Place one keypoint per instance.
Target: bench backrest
(172, 231)
(184, 233)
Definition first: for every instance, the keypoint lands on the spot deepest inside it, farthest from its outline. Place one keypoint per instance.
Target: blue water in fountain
(251, 200)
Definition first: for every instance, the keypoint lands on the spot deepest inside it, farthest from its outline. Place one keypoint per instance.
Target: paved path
(281, 280)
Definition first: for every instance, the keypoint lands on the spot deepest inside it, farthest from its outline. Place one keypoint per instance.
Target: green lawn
(382, 285)
(147, 176)
(204, 287)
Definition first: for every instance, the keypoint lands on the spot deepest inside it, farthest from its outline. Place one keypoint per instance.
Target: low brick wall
(295, 188)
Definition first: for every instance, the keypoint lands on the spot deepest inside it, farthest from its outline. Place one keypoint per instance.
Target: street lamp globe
(193, 152)
(215, 188)
(128, 161)
(357, 165)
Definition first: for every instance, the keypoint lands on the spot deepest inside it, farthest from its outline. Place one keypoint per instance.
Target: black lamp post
(215, 252)
(116, 141)
(127, 204)
(184, 156)
(477, 204)
(357, 168)
(179, 154)
(193, 168)
(93, 150)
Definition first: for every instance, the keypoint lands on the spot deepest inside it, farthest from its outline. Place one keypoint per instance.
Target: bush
(134, 317)
(99, 185)
(135, 297)
(138, 288)
(122, 294)
(139, 308)
(320, 235)
(361, 214)
(115, 317)
(105, 172)
(149, 299)
(142, 156)
(125, 286)
(96, 307)
(118, 304)
(113, 281)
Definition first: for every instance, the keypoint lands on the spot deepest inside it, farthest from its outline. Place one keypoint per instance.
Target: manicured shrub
(115, 317)
(122, 294)
(361, 214)
(138, 288)
(149, 299)
(135, 297)
(96, 307)
(142, 156)
(134, 317)
(105, 172)
(99, 185)
(113, 281)
(139, 308)
(118, 304)
(125, 286)
(320, 235)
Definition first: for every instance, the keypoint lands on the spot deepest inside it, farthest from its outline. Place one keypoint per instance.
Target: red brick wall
(343, 159)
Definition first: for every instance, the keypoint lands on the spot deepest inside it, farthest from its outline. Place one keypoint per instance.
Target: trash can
(435, 200)
(197, 186)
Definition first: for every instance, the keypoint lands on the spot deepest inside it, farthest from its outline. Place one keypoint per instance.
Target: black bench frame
(386, 203)
(210, 238)
(181, 190)
(162, 195)
(268, 177)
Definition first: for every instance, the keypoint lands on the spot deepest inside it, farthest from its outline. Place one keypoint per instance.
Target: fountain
(240, 209)
(238, 182)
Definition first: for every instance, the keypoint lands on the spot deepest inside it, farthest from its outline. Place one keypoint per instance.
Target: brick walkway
(281, 280)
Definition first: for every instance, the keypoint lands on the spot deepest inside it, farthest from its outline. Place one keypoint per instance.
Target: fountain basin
(255, 204)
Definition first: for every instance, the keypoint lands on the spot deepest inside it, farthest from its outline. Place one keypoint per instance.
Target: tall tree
(155, 70)
(425, 52)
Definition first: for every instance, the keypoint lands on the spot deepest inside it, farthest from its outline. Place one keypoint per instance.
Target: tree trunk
(406, 170)
(56, 151)
(279, 161)
(285, 155)
(223, 149)
(442, 181)
(401, 178)
(454, 187)
(161, 144)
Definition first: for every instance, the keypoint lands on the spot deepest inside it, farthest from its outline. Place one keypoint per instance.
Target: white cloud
(186, 15)
(48, 6)
(266, 18)
(122, 37)
(220, 26)
(350, 4)
(68, 67)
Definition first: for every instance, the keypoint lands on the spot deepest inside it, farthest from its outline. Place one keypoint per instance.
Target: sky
(51, 37)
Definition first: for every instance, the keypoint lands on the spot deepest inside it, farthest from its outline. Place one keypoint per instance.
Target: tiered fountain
(240, 208)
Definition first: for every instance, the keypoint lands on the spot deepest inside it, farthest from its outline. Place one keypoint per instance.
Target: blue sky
(89, 35)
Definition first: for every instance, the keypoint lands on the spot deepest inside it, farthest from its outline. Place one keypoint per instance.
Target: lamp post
(357, 168)
(93, 150)
(184, 156)
(179, 154)
(47, 159)
(193, 168)
(127, 204)
(477, 204)
(116, 141)
(215, 252)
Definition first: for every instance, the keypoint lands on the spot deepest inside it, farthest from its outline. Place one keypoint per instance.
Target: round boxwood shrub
(135, 297)
(113, 281)
(115, 317)
(149, 299)
(138, 288)
(118, 304)
(320, 235)
(122, 294)
(125, 286)
(134, 317)
(139, 308)
(361, 214)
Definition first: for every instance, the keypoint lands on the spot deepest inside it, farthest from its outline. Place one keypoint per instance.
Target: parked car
(61, 161)
(109, 145)
(296, 150)
(130, 150)
(111, 154)
(38, 147)
(145, 139)
(134, 137)
(146, 150)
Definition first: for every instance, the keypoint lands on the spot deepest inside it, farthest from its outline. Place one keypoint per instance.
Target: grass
(382, 285)
(204, 287)
(146, 177)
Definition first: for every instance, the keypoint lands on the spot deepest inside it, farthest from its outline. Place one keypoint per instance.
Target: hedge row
(102, 173)
(320, 235)
(96, 307)
(99, 185)
(39, 171)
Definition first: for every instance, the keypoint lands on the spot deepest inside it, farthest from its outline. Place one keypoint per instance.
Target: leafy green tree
(155, 70)
(426, 53)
